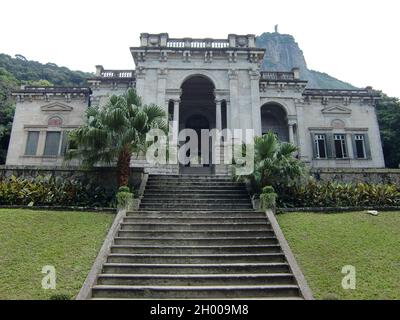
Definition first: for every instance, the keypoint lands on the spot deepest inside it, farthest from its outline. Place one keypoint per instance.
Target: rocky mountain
(283, 53)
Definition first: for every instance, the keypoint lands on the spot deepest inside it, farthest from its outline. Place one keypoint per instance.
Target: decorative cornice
(336, 110)
(56, 107)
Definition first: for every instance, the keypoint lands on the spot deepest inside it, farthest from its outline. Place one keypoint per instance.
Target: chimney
(232, 40)
(296, 73)
(163, 39)
(99, 70)
(144, 39)
(251, 38)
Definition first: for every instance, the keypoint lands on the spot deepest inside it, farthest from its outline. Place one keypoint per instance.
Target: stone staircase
(195, 237)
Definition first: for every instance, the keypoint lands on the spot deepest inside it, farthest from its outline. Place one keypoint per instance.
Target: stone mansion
(206, 84)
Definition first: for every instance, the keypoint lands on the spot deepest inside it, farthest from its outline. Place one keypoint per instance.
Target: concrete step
(195, 196)
(192, 292)
(196, 259)
(190, 177)
(195, 237)
(173, 207)
(238, 268)
(198, 187)
(195, 241)
(196, 280)
(194, 226)
(185, 192)
(194, 182)
(195, 201)
(157, 234)
(195, 249)
(210, 214)
(191, 220)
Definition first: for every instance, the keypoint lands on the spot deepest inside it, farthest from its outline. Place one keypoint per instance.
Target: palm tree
(274, 163)
(113, 132)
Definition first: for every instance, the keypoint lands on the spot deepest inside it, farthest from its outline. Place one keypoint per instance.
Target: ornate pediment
(336, 110)
(56, 107)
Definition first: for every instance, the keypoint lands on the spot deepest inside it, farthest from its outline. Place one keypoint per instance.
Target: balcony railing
(52, 90)
(277, 76)
(119, 74)
(198, 43)
(338, 92)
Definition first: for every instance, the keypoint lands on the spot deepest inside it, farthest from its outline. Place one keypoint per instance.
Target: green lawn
(324, 243)
(31, 239)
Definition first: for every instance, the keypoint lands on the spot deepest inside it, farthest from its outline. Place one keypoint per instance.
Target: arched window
(55, 122)
(274, 118)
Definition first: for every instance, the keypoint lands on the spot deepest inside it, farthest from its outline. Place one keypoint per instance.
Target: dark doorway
(197, 112)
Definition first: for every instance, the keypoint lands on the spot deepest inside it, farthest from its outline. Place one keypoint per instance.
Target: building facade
(207, 84)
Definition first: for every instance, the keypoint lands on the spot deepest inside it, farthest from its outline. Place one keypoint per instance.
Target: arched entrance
(198, 111)
(274, 118)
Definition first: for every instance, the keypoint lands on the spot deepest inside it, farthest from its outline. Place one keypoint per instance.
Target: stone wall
(103, 176)
(358, 175)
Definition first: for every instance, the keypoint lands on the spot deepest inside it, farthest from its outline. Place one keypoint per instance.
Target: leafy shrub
(268, 198)
(53, 191)
(275, 164)
(333, 194)
(124, 197)
(60, 296)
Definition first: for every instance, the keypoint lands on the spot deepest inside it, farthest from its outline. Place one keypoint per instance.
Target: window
(52, 144)
(320, 146)
(55, 122)
(32, 143)
(360, 146)
(340, 146)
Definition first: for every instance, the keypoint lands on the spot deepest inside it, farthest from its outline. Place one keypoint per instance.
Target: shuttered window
(52, 144)
(320, 146)
(340, 146)
(361, 147)
(32, 143)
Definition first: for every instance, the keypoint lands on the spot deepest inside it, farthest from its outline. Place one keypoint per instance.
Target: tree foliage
(7, 83)
(114, 131)
(27, 71)
(274, 163)
(388, 113)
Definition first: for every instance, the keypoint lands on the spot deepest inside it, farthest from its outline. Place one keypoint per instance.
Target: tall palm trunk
(123, 169)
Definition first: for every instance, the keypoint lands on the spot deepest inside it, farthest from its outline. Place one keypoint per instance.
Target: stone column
(228, 115)
(176, 121)
(291, 133)
(255, 101)
(218, 115)
(161, 86)
(303, 135)
(234, 97)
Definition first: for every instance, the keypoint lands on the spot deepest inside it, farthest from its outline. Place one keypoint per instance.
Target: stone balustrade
(367, 92)
(117, 74)
(198, 43)
(51, 90)
(277, 76)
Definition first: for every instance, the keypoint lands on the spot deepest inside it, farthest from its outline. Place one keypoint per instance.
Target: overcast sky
(355, 41)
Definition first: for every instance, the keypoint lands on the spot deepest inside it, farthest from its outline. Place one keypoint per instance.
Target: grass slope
(324, 243)
(30, 240)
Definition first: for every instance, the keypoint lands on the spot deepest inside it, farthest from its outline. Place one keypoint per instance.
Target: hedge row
(330, 194)
(54, 191)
